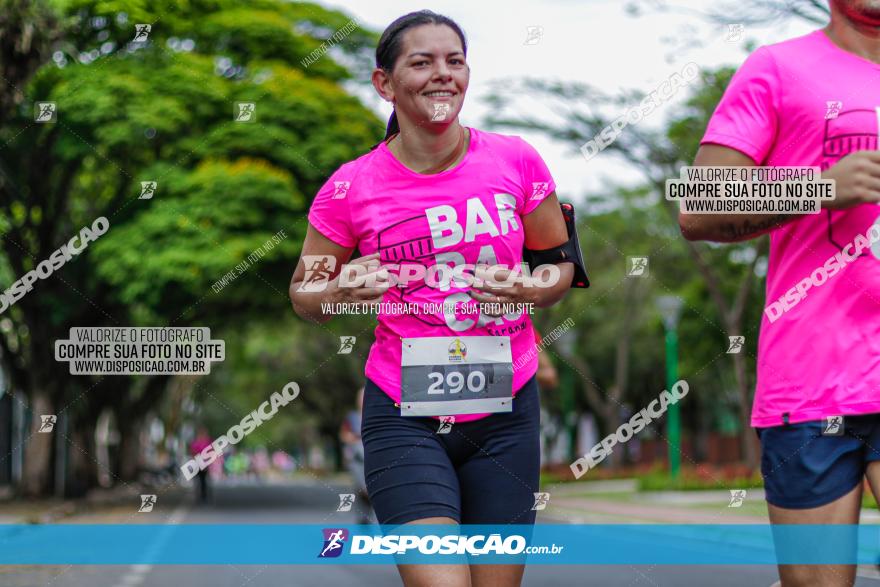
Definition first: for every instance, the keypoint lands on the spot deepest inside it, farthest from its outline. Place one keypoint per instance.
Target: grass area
(696, 480)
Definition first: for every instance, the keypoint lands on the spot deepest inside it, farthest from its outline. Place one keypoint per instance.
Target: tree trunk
(748, 440)
(620, 388)
(82, 469)
(128, 459)
(36, 473)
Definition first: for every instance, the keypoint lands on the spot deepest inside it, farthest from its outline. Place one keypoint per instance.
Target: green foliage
(163, 110)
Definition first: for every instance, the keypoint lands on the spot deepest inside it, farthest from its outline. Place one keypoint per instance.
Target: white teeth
(437, 94)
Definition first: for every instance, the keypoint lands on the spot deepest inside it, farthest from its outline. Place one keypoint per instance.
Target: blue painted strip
(607, 544)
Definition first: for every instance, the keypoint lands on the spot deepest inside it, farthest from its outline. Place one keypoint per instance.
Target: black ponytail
(393, 128)
(390, 46)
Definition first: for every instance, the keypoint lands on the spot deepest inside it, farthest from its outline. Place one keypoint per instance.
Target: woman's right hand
(857, 180)
(365, 284)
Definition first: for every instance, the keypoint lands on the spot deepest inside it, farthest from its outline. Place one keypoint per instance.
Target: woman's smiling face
(430, 78)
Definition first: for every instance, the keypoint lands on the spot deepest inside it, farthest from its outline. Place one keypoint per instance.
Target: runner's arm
(856, 177)
(308, 304)
(727, 228)
(544, 228)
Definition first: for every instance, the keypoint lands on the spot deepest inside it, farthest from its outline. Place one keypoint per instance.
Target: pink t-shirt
(468, 214)
(808, 102)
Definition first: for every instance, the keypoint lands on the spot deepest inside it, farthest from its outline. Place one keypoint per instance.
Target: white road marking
(137, 573)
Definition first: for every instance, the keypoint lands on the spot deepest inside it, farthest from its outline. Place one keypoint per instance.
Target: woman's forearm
(728, 228)
(310, 305)
(548, 296)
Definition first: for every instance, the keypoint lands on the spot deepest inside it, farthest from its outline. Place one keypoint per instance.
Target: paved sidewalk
(102, 506)
(619, 502)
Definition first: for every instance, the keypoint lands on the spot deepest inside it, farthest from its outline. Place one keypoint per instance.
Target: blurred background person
(353, 454)
(548, 377)
(200, 443)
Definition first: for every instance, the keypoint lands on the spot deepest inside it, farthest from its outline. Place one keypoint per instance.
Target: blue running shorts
(804, 468)
(480, 472)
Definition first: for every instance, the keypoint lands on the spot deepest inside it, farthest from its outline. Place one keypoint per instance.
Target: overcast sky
(592, 41)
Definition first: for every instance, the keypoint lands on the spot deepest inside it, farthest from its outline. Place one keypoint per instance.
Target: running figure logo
(539, 189)
(534, 35)
(245, 112)
(440, 112)
(638, 266)
(334, 540)
(47, 423)
(141, 33)
(736, 344)
(346, 344)
(148, 189)
(734, 33)
(446, 423)
(832, 109)
(319, 268)
(833, 426)
(45, 112)
(346, 500)
(737, 496)
(340, 189)
(541, 501)
(147, 503)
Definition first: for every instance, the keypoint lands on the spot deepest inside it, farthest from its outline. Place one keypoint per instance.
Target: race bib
(453, 375)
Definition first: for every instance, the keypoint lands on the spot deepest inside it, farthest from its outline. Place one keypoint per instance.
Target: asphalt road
(315, 503)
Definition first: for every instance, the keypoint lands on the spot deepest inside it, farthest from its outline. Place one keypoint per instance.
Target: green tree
(161, 110)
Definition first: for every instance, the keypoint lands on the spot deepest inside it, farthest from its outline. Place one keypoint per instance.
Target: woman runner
(433, 196)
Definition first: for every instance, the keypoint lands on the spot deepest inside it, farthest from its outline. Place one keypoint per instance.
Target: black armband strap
(568, 252)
